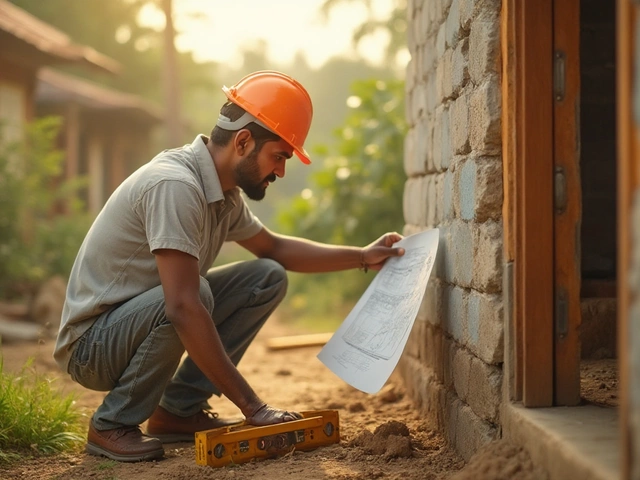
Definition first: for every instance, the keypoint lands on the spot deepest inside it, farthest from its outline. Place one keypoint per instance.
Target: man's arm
(300, 255)
(180, 279)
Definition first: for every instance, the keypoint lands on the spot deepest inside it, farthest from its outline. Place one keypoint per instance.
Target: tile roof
(49, 40)
(56, 88)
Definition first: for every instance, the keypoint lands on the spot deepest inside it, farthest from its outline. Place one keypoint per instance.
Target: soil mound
(389, 440)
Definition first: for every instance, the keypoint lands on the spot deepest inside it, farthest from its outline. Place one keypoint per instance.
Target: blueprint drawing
(367, 346)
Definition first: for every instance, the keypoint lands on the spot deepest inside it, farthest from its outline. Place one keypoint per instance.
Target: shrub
(34, 418)
(37, 240)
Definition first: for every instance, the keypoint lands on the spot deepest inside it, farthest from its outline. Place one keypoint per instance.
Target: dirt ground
(599, 381)
(293, 379)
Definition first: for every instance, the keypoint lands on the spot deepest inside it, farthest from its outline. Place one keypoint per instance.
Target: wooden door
(542, 198)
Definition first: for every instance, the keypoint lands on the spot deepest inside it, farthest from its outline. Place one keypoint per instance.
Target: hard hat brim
(302, 155)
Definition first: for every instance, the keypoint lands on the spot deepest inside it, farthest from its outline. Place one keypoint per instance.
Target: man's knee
(274, 274)
(206, 296)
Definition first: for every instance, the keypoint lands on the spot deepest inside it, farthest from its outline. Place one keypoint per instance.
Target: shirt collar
(210, 180)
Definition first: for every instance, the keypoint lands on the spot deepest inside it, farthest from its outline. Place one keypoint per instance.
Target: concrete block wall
(452, 365)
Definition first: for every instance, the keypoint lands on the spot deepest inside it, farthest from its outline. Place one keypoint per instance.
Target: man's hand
(375, 254)
(266, 415)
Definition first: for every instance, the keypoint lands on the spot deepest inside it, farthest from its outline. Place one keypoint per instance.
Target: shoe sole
(94, 449)
(174, 437)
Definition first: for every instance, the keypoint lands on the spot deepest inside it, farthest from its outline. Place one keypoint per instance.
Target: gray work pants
(134, 353)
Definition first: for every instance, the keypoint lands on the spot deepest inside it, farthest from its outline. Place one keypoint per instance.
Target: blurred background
(90, 90)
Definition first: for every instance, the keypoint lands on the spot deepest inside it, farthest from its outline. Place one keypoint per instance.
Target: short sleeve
(172, 212)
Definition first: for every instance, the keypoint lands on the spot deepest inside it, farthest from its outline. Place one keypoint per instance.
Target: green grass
(34, 418)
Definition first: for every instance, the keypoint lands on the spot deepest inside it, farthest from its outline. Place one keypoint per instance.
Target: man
(141, 290)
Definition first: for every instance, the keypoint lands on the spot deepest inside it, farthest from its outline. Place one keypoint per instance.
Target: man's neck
(222, 162)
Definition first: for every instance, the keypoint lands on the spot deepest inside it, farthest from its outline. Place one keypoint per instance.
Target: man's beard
(248, 177)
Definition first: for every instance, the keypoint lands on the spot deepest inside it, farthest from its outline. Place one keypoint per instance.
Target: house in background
(26, 45)
(106, 134)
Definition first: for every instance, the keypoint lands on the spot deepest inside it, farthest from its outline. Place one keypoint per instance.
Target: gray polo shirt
(175, 201)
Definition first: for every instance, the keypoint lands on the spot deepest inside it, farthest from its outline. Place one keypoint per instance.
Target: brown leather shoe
(124, 444)
(170, 428)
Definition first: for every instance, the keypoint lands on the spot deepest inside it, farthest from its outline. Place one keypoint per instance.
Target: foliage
(36, 241)
(34, 418)
(395, 25)
(358, 195)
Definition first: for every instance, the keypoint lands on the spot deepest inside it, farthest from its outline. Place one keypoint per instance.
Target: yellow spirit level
(242, 443)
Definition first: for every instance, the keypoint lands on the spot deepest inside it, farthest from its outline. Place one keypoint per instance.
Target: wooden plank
(566, 121)
(627, 143)
(297, 341)
(518, 210)
(535, 88)
(513, 329)
(18, 330)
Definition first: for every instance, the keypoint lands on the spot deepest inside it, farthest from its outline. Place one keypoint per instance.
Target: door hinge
(559, 75)
(559, 190)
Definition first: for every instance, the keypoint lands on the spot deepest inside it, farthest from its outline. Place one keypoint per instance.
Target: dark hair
(222, 137)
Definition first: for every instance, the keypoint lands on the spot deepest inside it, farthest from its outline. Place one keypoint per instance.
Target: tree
(395, 25)
(356, 196)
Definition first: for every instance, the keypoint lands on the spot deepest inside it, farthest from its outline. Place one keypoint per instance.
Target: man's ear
(242, 142)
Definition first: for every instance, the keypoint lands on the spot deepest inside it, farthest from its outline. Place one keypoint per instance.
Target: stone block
(452, 25)
(461, 372)
(484, 118)
(448, 352)
(460, 66)
(462, 247)
(447, 197)
(420, 147)
(485, 318)
(460, 125)
(411, 202)
(442, 268)
(467, 189)
(436, 148)
(411, 71)
(487, 257)
(485, 390)
(409, 153)
(455, 307)
(438, 199)
(409, 112)
(445, 141)
(432, 306)
(431, 186)
(428, 55)
(419, 104)
(470, 432)
(447, 85)
(432, 94)
(446, 5)
(488, 189)
(484, 47)
(441, 43)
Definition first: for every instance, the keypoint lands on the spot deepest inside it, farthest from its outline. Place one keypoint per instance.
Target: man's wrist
(364, 266)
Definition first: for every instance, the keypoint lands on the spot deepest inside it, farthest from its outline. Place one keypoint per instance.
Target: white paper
(367, 346)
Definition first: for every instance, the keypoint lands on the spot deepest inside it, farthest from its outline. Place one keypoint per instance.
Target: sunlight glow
(218, 31)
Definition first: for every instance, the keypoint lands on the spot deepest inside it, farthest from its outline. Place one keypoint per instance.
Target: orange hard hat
(279, 102)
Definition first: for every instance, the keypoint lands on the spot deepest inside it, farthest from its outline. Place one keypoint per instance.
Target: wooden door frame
(628, 182)
(531, 151)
